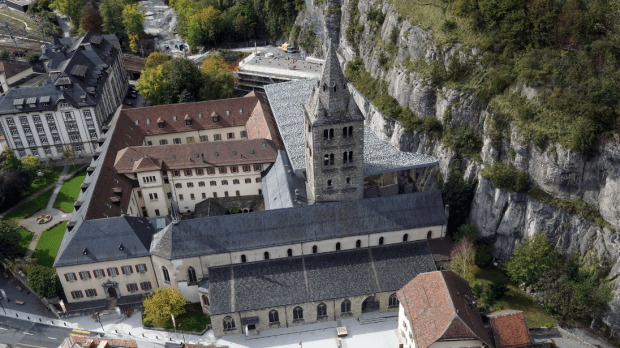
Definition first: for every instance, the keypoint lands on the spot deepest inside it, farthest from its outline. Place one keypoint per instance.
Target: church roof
(287, 101)
(280, 182)
(229, 233)
(316, 277)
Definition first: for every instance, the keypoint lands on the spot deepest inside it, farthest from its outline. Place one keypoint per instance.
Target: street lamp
(99, 320)
(5, 298)
(182, 332)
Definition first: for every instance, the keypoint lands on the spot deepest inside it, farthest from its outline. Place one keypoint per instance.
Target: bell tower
(334, 137)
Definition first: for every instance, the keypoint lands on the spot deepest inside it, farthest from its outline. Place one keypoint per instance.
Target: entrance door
(112, 293)
(370, 304)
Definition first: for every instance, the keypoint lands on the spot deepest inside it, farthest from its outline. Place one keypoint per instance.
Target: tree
(9, 241)
(204, 25)
(31, 164)
(91, 20)
(529, 262)
(12, 185)
(112, 15)
(463, 260)
(10, 161)
(69, 154)
(32, 56)
(162, 302)
(214, 63)
(466, 232)
(44, 281)
(152, 84)
(71, 8)
(133, 18)
(184, 75)
(218, 86)
(459, 194)
(155, 59)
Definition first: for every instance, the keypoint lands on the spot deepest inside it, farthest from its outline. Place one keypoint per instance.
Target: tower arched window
(350, 156)
(405, 237)
(324, 88)
(229, 323)
(350, 131)
(358, 244)
(166, 274)
(429, 235)
(326, 159)
(289, 252)
(348, 180)
(315, 249)
(191, 275)
(334, 88)
(338, 246)
(344, 132)
(243, 258)
(274, 317)
(381, 241)
(345, 156)
(329, 183)
(345, 306)
(331, 133)
(298, 313)
(266, 255)
(393, 301)
(325, 134)
(331, 159)
(321, 310)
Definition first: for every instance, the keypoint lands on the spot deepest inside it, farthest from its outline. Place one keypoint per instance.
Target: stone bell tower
(334, 137)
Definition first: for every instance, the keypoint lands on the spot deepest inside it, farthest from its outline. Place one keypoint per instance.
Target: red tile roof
(510, 329)
(95, 340)
(195, 155)
(441, 247)
(12, 68)
(439, 306)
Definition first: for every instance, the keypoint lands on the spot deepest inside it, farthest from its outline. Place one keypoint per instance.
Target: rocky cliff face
(503, 217)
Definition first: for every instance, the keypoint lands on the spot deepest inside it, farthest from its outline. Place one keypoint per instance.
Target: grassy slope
(69, 192)
(29, 208)
(40, 183)
(48, 245)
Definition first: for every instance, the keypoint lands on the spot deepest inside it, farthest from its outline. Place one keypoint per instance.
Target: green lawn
(74, 167)
(39, 183)
(29, 208)
(48, 245)
(515, 298)
(26, 239)
(69, 192)
(192, 320)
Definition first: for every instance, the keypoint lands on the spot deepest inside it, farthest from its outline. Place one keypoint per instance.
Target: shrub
(466, 232)
(32, 56)
(459, 194)
(484, 255)
(506, 177)
(427, 124)
(477, 289)
(462, 140)
(5, 54)
(44, 281)
(448, 26)
(394, 36)
(498, 288)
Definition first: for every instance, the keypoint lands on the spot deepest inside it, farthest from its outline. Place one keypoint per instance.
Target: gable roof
(11, 68)
(439, 306)
(510, 329)
(235, 232)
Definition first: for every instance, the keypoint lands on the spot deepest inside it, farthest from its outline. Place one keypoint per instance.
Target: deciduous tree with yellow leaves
(162, 302)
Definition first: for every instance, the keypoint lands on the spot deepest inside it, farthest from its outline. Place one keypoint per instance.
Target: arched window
(350, 156)
(429, 235)
(166, 274)
(334, 88)
(381, 241)
(191, 275)
(321, 310)
(243, 258)
(344, 132)
(274, 317)
(405, 237)
(345, 155)
(266, 255)
(331, 133)
(329, 183)
(350, 131)
(289, 252)
(326, 159)
(338, 246)
(229, 323)
(298, 313)
(331, 159)
(205, 300)
(348, 180)
(393, 301)
(345, 306)
(358, 244)
(324, 87)
(315, 249)
(325, 134)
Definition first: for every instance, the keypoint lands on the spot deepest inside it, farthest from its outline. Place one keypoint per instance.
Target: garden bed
(193, 320)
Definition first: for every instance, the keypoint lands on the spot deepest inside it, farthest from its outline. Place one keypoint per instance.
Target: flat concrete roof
(287, 99)
(280, 65)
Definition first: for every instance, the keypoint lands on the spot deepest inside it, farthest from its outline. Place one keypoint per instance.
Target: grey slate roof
(102, 238)
(228, 233)
(73, 62)
(287, 99)
(280, 182)
(317, 277)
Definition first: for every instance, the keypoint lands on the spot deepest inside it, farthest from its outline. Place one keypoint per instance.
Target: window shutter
(128, 287)
(109, 274)
(141, 286)
(81, 294)
(137, 269)
(130, 269)
(87, 295)
(123, 269)
(74, 277)
(144, 265)
(88, 272)
(67, 277)
(73, 294)
(95, 290)
(116, 268)
(81, 277)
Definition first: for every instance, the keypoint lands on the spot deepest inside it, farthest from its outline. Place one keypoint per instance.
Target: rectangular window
(237, 193)
(224, 182)
(247, 169)
(22, 153)
(153, 196)
(149, 143)
(40, 130)
(47, 150)
(236, 182)
(53, 128)
(248, 181)
(87, 114)
(176, 173)
(200, 172)
(188, 172)
(70, 277)
(222, 170)
(176, 140)
(201, 184)
(49, 117)
(178, 185)
(204, 138)
(156, 212)
(36, 118)
(210, 171)
(257, 179)
(93, 135)
(85, 275)
(77, 294)
(139, 194)
(258, 167)
(244, 134)
(217, 137)
(68, 116)
(56, 139)
(163, 142)
(43, 140)
(35, 152)
(192, 197)
(146, 286)
(204, 195)
(27, 130)
(23, 119)
(127, 269)
(14, 131)
(10, 121)
(141, 268)
(18, 143)
(31, 141)
(190, 184)
(189, 139)
(98, 273)
(133, 287)
(181, 197)
(230, 135)
(214, 194)
(213, 183)
(169, 194)
(91, 292)
(234, 169)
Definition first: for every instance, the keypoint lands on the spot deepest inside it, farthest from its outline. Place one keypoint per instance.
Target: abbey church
(319, 251)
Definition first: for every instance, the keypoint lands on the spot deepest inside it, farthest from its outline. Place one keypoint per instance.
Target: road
(25, 334)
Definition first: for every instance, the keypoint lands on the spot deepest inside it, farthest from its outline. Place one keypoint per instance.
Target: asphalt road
(25, 334)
